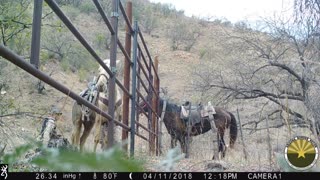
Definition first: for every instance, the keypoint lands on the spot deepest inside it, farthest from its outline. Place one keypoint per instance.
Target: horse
(179, 129)
(97, 94)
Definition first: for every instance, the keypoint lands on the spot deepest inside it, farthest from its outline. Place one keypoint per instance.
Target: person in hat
(48, 128)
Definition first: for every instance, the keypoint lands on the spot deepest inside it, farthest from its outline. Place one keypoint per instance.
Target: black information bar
(159, 175)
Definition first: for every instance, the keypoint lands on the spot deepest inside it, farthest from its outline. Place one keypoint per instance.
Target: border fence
(139, 63)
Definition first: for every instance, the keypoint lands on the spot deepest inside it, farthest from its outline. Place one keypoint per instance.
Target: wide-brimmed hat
(55, 110)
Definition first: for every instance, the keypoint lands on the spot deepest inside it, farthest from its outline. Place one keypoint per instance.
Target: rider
(49, 121)
(48, 130)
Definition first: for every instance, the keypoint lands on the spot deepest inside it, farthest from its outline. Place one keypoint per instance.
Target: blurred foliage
(172, 157)
(65, 160)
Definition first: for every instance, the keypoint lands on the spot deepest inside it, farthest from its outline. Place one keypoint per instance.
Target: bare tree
(278, 63)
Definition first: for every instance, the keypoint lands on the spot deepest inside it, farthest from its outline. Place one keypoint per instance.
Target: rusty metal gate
(139, 61)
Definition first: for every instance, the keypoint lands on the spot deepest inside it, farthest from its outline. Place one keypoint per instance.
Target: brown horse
(96, 93)
(178, 127)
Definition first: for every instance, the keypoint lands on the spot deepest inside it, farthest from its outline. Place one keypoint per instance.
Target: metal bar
(134, 83)
(112, 80)
(144, 71)
(143, 84)
(145, 101)
(53, 5)
(141, 109)
(154, 69)
(145, 74)
(20, 62)
(123, 88)
(144, 45)
(145, 128)
(111, 29)
(150, 121)
(128, 18)
(126, 74)
(138, 97)
(155, 103)
(156, 107)
(125, 52)
(36, 33)
(104, 16)
(143, 56)
(142, 137)
(147, 50)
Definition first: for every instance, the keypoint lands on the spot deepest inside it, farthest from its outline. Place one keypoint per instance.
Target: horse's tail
(233, 130)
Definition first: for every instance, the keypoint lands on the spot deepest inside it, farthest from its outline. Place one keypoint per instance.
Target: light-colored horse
(97, 94)
(103, 103)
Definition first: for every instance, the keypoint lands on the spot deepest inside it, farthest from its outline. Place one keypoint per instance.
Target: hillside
(193, 54)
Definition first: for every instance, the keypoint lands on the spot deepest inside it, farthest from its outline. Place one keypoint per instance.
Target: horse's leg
(77, 124)
(75, 137)
(97, 132)
(182, 141)
(222, 147)
(173, 142)
(86, 132)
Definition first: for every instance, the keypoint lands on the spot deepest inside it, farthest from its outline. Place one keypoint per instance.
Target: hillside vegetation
(269, 73)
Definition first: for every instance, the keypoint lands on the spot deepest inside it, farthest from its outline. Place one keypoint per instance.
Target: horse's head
(144, 106)
(103, 77)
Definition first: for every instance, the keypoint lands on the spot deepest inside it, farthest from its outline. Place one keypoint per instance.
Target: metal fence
(139, 61)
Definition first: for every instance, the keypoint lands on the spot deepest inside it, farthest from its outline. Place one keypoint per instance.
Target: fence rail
(132, 63)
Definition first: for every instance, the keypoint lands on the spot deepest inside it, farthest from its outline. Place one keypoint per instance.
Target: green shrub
(87, 7)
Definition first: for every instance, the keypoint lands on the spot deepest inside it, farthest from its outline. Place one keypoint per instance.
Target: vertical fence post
(134, 83)
(150, 113)
(112, 81)
(35, 39)
(126, 75)
(138, 89)
(36, 33)
(155, 104)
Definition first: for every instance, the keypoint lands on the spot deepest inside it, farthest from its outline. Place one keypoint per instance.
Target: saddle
(90, 94)
(195, 114)
(208, 111)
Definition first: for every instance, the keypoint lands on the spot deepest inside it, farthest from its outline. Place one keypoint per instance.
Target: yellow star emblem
(301, 154)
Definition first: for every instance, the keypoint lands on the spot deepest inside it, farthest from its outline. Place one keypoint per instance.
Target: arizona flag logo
(301, 153)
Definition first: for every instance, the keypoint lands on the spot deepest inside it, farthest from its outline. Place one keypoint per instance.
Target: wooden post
(126, 77)
(269, 141)
(243, 144)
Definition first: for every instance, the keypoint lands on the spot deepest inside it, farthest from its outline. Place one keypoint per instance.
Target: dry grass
(175, 72)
